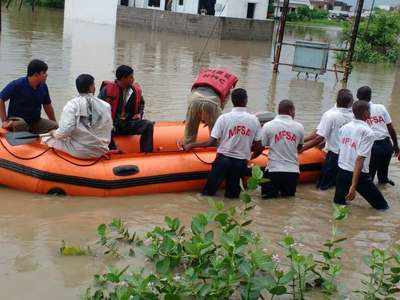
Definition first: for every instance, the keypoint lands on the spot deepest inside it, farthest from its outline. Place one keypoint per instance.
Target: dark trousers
(328, 172)
(229, 169)
(381, 154)
(366, 188)
(281, 184)
(144, 128)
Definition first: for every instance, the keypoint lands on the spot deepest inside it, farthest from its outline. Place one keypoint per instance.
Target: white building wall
(223, 8)
(95, 11)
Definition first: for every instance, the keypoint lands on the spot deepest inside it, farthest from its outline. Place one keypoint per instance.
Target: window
(250, 10)
(180, 2)
(154, 3)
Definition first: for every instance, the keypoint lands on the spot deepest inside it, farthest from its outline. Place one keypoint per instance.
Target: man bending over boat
(127, 107)
(237, 132)
(209, 95)
(328, 133)
(85, 124)
(27, 95)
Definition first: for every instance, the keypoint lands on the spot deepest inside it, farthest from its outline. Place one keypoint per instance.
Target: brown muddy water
(32, 226)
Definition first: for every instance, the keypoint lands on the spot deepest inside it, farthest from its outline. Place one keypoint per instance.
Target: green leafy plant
(382, 281)
(330, 267)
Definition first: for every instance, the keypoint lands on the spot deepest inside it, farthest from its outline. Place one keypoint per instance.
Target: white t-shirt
(356, 139)
(84, 129)
(329, 126)
(379, 120)
(236, 131)
(283, 135)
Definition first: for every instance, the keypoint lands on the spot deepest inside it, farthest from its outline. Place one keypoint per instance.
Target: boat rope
(92, 163)
(200, 159)
(20, 157)
(56, 153)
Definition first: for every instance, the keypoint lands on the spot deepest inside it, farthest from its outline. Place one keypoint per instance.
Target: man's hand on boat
(7, 124)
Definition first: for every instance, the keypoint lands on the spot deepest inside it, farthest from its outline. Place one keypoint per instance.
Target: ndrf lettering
(349, 143)
(289, 136)
(239, 130)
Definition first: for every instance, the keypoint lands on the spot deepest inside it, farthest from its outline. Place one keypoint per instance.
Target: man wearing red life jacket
(127, 107)
(209, 94)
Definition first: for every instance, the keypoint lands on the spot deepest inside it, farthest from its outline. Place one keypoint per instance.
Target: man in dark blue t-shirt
(27, 95)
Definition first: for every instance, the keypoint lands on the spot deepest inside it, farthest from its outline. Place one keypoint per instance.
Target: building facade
(245, 9)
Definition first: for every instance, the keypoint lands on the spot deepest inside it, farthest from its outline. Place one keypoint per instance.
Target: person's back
(284, 136)
(85, 125)
(236, 131)
(356, 140)
(335, 120)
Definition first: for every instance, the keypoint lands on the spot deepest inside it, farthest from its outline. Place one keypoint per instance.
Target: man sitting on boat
(209, 94)
(127, 107)
(85, 124)
(237, 132)
(27, 95)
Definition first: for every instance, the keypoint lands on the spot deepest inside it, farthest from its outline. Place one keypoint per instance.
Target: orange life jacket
(113, 97)
(220, 80)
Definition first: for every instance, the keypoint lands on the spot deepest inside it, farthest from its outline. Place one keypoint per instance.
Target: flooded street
(33, 226)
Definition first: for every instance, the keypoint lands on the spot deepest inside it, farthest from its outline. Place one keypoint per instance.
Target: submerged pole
(282, 23)
(357, 20)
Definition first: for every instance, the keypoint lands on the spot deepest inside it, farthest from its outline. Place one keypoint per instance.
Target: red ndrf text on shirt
(291, 137)
(239, 129)
(349, 142)
(375, 120)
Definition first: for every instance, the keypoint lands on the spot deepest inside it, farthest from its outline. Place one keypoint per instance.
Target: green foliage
(380, 43)
(304, 13)
(382, 281)
(44, 3)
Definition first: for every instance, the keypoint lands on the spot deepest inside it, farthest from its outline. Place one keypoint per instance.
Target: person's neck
(33, 83)
(122, 86)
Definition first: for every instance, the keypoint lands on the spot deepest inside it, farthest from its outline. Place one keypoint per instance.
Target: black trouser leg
(237, 171)
(281, 184)
(144, 128)
(366, 188)
(328, 172)
(381, 154)
(370, 192)
(220, 167)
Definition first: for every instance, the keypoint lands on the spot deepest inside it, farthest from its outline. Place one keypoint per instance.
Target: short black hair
(36, 66)
(239, 97)
(83, 83)
(359, 108)
(344, 98)
(285, 106)
(364, 93)
(123, 71)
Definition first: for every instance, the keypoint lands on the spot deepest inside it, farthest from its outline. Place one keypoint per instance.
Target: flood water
(32, 226)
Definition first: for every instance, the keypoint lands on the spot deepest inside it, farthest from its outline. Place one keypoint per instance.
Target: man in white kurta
(85, 125)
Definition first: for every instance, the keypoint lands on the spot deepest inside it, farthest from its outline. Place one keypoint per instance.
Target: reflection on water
(32, 226)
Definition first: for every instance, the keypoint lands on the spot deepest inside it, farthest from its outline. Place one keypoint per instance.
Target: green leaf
(395, 270)
(278, 290)
(257, 173)
(222, 218)
(245, 268)
(340, 212)
(288, 277)
(199, 223)
(252, 184)
(162, 266)
(288, 241)
(245, 197)
(101, 230)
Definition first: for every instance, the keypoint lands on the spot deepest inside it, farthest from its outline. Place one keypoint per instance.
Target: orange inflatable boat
(36, 168)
